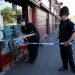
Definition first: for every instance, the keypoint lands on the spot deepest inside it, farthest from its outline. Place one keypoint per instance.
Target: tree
(19, 12)
(8, 14)
(72, 18)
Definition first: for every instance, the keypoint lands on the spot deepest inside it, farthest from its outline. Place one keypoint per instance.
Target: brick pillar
(47, 24)
(25, 11)
(34, 14)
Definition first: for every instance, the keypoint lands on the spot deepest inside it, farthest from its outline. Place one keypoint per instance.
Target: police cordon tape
(41, 43)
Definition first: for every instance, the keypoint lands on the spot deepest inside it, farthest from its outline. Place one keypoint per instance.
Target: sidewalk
(48, 61)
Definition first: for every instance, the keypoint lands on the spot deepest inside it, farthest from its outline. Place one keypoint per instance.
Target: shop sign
(14, 7)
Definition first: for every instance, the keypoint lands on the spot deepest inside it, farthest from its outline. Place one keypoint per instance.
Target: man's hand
(23, 36)
(66, 43)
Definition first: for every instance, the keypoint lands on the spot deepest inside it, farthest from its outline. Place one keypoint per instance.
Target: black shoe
(33, 62)
(27, 61)
(62, 69)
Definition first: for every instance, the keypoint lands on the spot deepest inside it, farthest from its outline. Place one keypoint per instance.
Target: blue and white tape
(20, 41)
(55, 43)
(41, 43)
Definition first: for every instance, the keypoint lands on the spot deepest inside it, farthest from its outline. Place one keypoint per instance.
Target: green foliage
(8, 14)
(19, 12)
(72, 18)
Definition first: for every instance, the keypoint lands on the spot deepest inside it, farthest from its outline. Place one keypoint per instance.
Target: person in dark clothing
(66, 35)
(32, 34)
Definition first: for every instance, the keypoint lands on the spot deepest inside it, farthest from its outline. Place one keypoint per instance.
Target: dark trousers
(67, 55)
(33, 51)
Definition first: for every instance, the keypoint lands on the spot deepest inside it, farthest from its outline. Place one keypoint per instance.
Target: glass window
(8, 25)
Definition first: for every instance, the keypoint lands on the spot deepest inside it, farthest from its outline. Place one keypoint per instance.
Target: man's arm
(29, 35)
(72, 37)
(72, 30)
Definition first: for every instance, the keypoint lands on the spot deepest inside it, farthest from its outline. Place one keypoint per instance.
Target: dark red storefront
(37, 13)
(5, 59)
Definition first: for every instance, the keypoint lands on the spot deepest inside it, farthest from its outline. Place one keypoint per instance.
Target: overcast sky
(3, 4)
(70, 4)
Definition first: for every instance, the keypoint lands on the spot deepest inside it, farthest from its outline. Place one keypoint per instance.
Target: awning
(21, 2)
(17, 2)
(35, 2)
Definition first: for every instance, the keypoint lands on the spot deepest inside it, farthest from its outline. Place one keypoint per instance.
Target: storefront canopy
(17, 2)
(22, 2)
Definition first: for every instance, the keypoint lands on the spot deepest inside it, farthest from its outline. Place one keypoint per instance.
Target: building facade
(44, 14)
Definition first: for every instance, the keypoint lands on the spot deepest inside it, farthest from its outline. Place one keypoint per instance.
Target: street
(48, 61)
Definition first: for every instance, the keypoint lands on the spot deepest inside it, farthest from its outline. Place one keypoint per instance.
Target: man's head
(20, 20)
(64, 12)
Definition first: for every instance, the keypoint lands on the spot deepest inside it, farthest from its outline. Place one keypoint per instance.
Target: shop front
(33, 11)
(5, 53)
(8, 32)
(11, 32)
(41, 21)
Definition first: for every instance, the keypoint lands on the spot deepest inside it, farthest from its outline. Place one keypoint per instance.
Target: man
(66, 35)
(32, 34)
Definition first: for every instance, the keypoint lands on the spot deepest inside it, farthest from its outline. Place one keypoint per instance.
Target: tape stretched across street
(41, 43)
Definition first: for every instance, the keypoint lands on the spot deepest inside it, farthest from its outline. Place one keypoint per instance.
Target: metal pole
(0, 10)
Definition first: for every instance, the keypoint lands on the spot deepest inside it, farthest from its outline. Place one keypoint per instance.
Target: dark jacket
(28, 29)
(66, 28)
